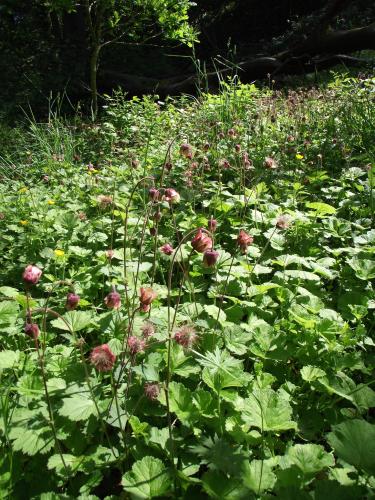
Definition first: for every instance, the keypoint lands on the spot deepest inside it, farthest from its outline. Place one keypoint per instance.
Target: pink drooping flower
(185, 336)
(136, 345)
(147, 296)
(186, 150)
(210, 258)
(168, 165)
(244, 240)
(232, 133)
(104, 200)
(206, 146)
(283, 222)
(224, 163)
(270, 163)
(247, 163)
(212, 225)
(166, 249)
(171, 196)
(109, 254)
(201, 241)
(113, 300)
(152, 390)
(237, 148)
(102, 358)
(32, 330)
(147, 329)
(31, 274)
(72, 300)
(152, 231)
(154, 194)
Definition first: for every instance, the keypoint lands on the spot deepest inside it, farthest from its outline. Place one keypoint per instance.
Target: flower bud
(270, 163)
(109, 254)
(283, 222)
(72, 301)
(154, 194)
(167, 249)
(32, 330)
(153, 231)
(210, 258)
(147, 296)
(171, 196)
(212, 225)
(186, 150)
(244, 240)
(102, 358)
(31, 274)
(201, 242)
(113, 300)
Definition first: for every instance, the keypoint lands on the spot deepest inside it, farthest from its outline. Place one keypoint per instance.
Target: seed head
(185, 336)
(244, 240)
(147, 330)
(113, 300)
(102, 358)
(136, 345)
(152, 390)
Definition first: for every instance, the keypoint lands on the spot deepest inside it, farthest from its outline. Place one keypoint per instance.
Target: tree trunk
(94, 60)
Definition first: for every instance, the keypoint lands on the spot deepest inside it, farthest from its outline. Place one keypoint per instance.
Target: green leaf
(73, 321)
(364, 268)
(217, 485)
(258, 476)
(321, 208)
(148, 478)
(8, 359)
(301, 275)
(222, 370)
(267, 410)
(8, 312)
(309, 458)
(354, 442)
(32, 441)
(215, 312)
(181, 403)
(311, 373)
(77, 407)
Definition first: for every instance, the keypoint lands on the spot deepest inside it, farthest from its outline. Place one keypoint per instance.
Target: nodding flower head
(147, 296)
(147, 329)
(136, 345)
(210, 258)
(154, 194)
(232, 133)
(244, 240)
(283, 222)
(171, 196)
(270, 163)
(185, 336)
(152, 390)
(102, 358)
(212, 225)
(104, 201)
(166, 249)
(186, 150)
(32, 330)
(109, 253)
(72, 300)
(31, 275)
(113, 300)
(201, 242)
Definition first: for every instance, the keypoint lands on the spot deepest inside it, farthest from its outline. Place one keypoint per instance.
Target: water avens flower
(104, 200)
(147, 329)
(283, 222)
(186, 150)
(113, 300)
(31, 274)
(147, 296)
(151, 390)
(32, 330)
(210, 258)
(270, 163)
(171, 196)
(201, 242)
(102, 358)
(109, 254)
(185, 336)
(72, 300)
(136, 345)
(166, 249)
(244, 240)
(154, 194)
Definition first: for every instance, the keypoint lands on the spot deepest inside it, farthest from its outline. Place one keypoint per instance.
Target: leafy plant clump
(187, 301)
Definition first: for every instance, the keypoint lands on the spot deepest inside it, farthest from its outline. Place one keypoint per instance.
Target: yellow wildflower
(24, 222)
(299, 156)
(59, 253)
(50, 202)
(23, 190)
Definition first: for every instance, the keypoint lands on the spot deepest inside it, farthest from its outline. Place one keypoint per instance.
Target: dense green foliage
(271, 395)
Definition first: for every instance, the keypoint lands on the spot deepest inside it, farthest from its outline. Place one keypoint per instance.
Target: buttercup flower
(102, 358)
(59, 253)
(167, 249)
(171, 196)
(210, 258)
(299, 156)
(185, 336)
(135, 344)
(72, 301)
(147, 296)
(50, 202)
(31, 274)
(32, 330)
(113, 300)
(152, 390)
(24, 222)
(244, 240)
(201, 242)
